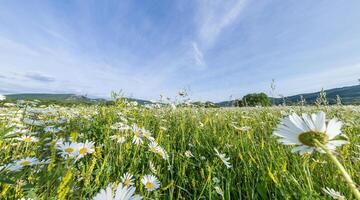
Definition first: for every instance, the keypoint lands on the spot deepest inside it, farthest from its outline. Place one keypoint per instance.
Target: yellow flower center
(69, 150)
(28, 139)
(83, 150)
(307, 138)
(149, 185)
(137, 133)
(127, 182)
(24, 163)
(153, 149)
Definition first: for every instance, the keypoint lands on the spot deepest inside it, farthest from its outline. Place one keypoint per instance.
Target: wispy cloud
(215, 16)
(36, 76)
(215, 47)
(198, 56)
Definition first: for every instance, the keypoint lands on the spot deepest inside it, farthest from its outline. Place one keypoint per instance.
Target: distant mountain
(63, 97)
(40, 96)
(348, 95)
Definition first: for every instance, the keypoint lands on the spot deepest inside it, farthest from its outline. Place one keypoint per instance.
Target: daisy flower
(26, 138)
(161, 151)
(20, 164)
(150, 182)
(121, 192)
(119, 139)
(28, 161)
(223, 158)
(127, 179)
(154, 147)
(68, 149)
(84, 149)
(152, 168)
(219, 190)
(2, 97)
(188, 154)
(334, 194)
(147, 134)
(137, 139)
(301, 131)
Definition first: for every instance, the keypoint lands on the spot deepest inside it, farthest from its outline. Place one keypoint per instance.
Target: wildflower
(120, 193)
(51, 129)
(223, 158)
(26, 138)
(28, 161)
(154, 147)
(161, 151)
(188, 154)
(215, 180)
(127, 179)
(219, 190)
(84, 149)
(20, 164)
(68, 149)
(334, 194)
(150, 182)
(152, 168)
(137, 135)
(33, 122)
(119, 139)
(147, 135)
(301, 131)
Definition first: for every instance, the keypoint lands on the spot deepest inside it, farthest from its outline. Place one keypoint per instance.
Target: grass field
(183, 159)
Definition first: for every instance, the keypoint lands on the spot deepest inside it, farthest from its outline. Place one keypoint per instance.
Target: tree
(238, 103)
(256, 99)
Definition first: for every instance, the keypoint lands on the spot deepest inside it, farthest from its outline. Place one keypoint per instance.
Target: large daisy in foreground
(121, 192)
(301, 131)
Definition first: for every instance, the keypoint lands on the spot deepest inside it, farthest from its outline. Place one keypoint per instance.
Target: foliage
(261, 168)
(256, 99)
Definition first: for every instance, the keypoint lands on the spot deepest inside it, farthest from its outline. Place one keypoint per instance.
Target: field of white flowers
(127, 151)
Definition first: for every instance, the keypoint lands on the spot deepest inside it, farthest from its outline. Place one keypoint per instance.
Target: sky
(214, 49)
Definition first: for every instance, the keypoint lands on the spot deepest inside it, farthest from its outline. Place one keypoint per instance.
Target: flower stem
(346, 175)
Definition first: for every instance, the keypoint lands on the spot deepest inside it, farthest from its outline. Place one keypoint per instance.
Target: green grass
(262, 168)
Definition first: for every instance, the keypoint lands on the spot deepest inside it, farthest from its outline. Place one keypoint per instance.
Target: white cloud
(214, 16)
(198, 55)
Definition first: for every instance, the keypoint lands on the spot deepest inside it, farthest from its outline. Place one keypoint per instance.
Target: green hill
(40, 96)
(63, 98)
(349, 95)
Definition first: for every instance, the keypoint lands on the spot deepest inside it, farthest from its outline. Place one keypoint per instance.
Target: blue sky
(213, 49)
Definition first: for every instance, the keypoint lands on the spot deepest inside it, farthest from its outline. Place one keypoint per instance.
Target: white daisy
(68, 149)
(26, 138)
(147, 134)
(20, 164)
(154, 147)
(301, 131)
(188, 154)
(84, 149)
(121, 192)
(127, 179)
(152, 168)
(138, 134)
(52, 129)
(28, 161)
(334, 194)
(150, 182)
(219, 190)
(223, 158)
(162, 152)
(119, 139)
(2, 97)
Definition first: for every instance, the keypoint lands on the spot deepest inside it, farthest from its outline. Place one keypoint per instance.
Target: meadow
(183, 153)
